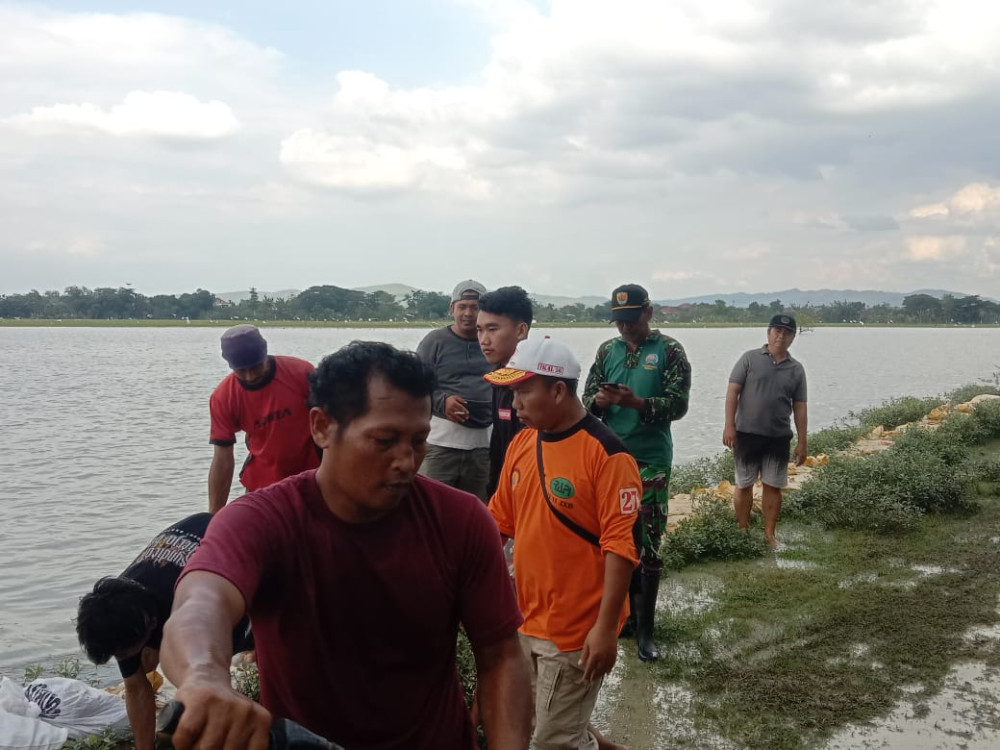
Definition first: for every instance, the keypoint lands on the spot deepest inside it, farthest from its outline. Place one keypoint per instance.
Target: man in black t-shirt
(123, 618)
(504, 319)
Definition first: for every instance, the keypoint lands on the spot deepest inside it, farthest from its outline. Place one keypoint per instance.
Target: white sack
(77, 706)
(22, 733)
(12, 700)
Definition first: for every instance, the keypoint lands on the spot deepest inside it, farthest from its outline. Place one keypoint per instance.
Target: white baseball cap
(537, 356)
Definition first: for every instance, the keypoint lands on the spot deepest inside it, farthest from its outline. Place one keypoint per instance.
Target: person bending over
(123, 618)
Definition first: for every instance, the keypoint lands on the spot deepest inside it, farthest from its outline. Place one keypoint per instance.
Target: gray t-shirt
(769, 390)
(459, 365)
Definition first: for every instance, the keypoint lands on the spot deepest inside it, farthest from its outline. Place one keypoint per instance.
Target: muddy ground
(647, 714)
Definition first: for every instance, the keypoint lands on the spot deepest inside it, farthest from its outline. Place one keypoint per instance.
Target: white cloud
(972, 200)
(364, 166)
(928, 211)
(935, 248)
(753, 251)
(975, 198)
(674, 275)
(36, 37)
(80, 244)
(157, 114)
(590, 98)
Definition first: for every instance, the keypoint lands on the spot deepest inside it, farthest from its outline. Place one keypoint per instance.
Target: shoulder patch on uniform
(628, 500)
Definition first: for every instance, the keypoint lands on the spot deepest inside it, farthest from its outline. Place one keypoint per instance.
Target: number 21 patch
(628, 500)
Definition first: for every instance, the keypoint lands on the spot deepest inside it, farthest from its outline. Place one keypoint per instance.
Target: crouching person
(123, 617)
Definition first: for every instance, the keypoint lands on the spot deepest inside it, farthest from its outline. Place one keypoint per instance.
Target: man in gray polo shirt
(766, 387)
(458, 447)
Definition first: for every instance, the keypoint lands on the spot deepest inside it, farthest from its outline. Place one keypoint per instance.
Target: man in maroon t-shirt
(264, 397)
(355, 577)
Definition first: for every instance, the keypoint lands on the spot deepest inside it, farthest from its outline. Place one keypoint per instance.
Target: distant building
(219, 302)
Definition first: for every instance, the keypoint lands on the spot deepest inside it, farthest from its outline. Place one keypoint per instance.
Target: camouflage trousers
(652, 521)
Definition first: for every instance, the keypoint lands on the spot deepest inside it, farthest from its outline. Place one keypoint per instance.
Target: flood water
(105, 434)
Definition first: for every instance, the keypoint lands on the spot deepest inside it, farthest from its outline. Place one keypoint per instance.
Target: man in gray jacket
(458, 447)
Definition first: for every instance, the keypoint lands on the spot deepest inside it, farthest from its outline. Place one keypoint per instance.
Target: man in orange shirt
(568, 494)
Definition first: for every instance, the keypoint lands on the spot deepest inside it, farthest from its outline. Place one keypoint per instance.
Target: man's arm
(799, 412)
(196, 652)
(430, 352)
(504, 693)
(600, 649)
(675, 384)
(220, 477)
(141, 707)
(732, 400)
(592, 387)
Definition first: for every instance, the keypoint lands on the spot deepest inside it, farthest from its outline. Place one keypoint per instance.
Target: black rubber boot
(628, 629)
(645, 613)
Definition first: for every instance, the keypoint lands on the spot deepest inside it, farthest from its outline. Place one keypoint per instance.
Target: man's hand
(800, 452)
(600, 650)
(216, 716)
(729, 436)
(621, 395)
(455, 409)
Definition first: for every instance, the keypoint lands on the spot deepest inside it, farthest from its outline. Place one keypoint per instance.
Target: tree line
(333, 303)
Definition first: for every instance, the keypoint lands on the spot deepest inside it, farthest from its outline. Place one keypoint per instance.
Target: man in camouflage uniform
(639, 384)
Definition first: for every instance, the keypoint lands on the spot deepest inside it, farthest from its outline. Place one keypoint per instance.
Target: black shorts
(763, 457)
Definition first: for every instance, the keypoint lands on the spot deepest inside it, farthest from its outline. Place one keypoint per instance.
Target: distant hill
(541, 300)
(799, 297)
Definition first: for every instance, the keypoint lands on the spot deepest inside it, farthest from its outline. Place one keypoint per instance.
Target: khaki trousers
(563, 701)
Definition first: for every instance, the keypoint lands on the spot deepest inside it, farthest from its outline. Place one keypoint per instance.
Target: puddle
(637, 711)
(965, 714)
(856, 579)
(932, 570)
(860, 649)
(786, 564)
(680, 597)
(983, 633)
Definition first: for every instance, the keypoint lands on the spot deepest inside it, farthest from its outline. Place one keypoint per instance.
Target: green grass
(788, 656)
(895, 412)
(703, 472)
(895, 560)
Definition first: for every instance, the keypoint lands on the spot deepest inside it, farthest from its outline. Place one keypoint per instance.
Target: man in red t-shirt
(355, 577)
(264, 397)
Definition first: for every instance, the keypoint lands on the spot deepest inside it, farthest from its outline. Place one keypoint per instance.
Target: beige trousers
(563, 701)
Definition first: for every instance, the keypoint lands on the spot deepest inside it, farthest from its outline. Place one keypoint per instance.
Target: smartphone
(615, 386)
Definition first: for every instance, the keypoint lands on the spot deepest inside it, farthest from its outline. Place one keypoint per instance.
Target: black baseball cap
(628, 302)
(783, 321)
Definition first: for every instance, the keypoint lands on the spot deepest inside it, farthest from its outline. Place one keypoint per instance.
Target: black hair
(339, 385)
(571, 383)
(116, 615)
(511, 301)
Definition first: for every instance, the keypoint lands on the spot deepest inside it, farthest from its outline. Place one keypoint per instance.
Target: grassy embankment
(893, 562)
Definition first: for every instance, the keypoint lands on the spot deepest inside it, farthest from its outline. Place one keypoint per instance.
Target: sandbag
(77, 706)
(12, 700)
(24, 733)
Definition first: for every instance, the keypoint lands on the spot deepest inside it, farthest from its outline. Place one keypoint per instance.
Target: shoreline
(666, 324)
(845, 637)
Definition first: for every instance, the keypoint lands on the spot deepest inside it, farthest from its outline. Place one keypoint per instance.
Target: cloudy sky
(699, 146)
